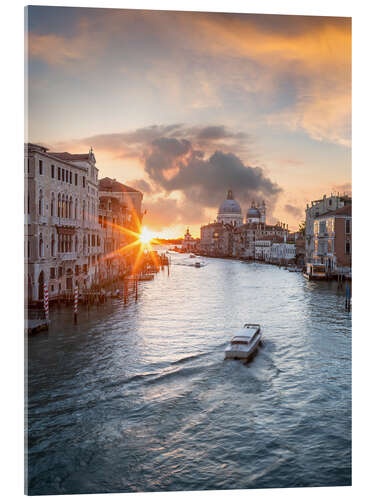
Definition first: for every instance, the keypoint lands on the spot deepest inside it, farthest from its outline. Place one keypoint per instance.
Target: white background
(11, 274)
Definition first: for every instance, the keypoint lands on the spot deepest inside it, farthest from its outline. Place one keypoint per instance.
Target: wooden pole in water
(46, 305)
(136, 288)
(125, 290)
(75, 304)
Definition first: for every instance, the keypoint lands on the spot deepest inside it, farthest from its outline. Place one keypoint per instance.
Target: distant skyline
(184, 105)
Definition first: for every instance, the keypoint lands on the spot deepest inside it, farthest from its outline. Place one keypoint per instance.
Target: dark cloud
(205, 181)
(291, 209)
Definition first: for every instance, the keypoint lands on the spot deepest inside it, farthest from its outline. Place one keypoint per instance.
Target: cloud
(204, 180)
(295, 211)
(142, 185)
(188, 162)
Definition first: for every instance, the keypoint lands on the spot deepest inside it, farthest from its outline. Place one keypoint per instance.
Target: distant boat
(192, 256)
(245, 343)
(197, 264)
(315, 271)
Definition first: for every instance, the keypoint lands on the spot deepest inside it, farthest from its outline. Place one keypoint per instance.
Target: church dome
(253, 213)
(230, 206)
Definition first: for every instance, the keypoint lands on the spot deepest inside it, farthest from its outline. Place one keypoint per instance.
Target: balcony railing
(68, 256)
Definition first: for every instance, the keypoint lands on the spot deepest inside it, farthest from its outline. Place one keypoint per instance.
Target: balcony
(59, 221)
(43, 219)
(68, 256)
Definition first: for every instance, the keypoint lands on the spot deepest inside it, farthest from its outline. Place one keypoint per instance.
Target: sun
(146, 236)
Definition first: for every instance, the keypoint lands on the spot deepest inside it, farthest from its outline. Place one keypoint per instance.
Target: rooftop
(347, 210)
(111, 185)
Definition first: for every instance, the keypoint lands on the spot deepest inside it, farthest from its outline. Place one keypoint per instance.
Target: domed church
(230, 211)
(256, 214)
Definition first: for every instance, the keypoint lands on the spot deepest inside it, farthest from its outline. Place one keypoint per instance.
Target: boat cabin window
(242, 342)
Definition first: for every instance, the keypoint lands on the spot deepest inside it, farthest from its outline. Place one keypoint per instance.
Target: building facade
(120, 219)
(332, 240)
(188, 243)
(314, 210)
(63, 244)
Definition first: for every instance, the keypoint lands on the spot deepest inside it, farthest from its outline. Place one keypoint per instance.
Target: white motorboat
(245, 343)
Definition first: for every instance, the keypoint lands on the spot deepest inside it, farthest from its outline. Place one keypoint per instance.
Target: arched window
(70, 207)
(41, 246)
(40, 202)
(63, 207)
(84, 245)
(76, 243)
(53, 204)
(59, 205)
(75, 209)
(53, 245)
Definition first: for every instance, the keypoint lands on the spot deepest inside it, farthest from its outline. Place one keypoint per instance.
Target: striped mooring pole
(46, 306)
(75, 304)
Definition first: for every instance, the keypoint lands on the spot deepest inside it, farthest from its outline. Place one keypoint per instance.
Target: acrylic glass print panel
(187, 174)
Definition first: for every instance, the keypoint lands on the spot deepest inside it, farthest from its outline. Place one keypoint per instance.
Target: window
(76, 244)
(63, 175)
(41, 246)
(53, 171)
(28, 165)
(97, 241)
(59, 205)
(347, 226)
(70, 177)
(52, 274)
(40, 167)
(93, 240)
(76, 179)
(53, 245)
(75, 209)
(40, 204)
(28, 203)
(60, 272)
(84, 210)
(28, 249)
(58, 173)
(100, 220)
(347, 247)
(77, 270)
(53, 204)
(84, 181)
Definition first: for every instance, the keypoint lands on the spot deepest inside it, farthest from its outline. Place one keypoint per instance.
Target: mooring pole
(136, 288)
(46, 305)
(75, 304)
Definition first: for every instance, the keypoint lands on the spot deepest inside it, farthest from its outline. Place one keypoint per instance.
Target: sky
(185, 105)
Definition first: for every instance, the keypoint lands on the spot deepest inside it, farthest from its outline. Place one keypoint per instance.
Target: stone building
(317, 208)
(63, 245)
(120, 219)
(228, 236)
(230, 211)
(332, 240)
(188, 243)
(217, 240)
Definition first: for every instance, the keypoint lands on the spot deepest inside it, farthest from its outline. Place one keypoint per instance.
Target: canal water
(139, 398)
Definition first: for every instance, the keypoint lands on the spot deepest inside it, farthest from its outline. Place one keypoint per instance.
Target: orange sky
(185, 105)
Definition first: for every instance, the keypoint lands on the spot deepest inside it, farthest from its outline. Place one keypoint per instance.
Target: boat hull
(242, 355)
